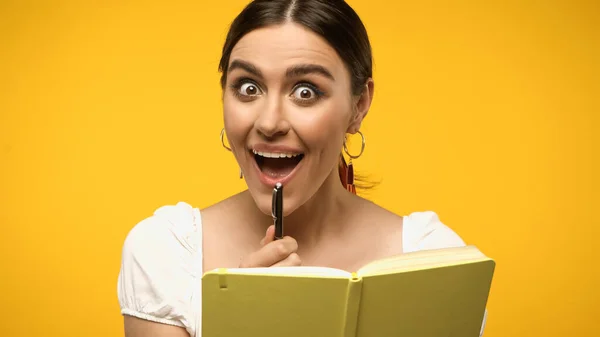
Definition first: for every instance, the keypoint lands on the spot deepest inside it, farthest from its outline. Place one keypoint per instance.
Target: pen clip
(274, 205)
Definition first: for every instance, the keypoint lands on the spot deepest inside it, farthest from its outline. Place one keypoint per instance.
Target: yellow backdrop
(485, 112)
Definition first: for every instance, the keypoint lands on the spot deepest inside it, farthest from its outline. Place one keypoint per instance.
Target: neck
(322, 216)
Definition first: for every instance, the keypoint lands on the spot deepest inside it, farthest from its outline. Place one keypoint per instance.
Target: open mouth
(277, 165)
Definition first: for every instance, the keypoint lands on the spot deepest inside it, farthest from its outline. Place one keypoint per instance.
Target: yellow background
(485, 112)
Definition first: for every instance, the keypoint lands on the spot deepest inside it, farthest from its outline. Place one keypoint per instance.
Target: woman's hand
(273, 253)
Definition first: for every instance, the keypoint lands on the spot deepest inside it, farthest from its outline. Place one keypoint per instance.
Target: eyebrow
(305, 69)
(238, 64)
(294, 71)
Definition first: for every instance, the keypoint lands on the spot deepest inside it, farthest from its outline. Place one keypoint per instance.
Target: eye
(248, 89)
(307, 94)
(304, 92)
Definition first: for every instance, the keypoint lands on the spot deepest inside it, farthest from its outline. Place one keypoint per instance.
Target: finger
(292, 260)
(269, 235)
(278, 250)
(271, 253)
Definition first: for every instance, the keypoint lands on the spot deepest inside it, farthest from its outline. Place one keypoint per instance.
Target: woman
(296, 79)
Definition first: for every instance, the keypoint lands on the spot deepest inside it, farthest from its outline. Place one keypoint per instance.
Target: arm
(136, 327)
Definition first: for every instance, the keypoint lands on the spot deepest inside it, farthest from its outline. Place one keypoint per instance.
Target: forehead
(274, 48)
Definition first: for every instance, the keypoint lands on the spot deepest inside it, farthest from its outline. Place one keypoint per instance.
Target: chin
(263, 198)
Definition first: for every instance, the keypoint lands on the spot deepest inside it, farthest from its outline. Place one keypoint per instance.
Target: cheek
(238, 120)
(323, 130)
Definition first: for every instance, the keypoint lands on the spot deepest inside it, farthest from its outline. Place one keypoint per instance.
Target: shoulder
(160, 263)
(425, 230)
(169, 229)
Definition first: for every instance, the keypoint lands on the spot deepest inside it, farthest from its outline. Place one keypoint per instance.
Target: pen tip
(278, 185)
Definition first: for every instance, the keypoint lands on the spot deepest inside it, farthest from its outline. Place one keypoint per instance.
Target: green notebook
(431, 293)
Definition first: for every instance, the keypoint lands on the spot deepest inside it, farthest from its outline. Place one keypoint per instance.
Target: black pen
(277, 210)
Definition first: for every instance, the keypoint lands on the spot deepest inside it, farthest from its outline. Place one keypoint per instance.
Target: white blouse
(161, 267)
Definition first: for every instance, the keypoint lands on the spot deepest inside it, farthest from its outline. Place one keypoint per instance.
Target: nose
(271, 121)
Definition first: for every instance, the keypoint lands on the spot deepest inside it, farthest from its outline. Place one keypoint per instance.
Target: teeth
(275, 155)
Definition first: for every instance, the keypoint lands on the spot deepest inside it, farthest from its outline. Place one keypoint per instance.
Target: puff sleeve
(424, 231)
(160, 273)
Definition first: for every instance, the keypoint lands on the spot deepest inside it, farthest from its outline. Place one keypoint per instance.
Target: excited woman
(297, 80)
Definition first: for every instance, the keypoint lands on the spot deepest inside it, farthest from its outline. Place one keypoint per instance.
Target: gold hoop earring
(347, 171)
(229, 149)
(223, 140)
(362, 148)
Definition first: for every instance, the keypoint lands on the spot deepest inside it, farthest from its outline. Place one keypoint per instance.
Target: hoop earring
(229, 149)
(223, 140)
(350, 169)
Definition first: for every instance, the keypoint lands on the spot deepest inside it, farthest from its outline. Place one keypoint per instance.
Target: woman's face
(287, 107)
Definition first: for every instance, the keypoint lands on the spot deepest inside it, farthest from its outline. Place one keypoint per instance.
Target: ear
(361, 106)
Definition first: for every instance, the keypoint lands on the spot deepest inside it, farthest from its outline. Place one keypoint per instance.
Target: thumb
(269, 235)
